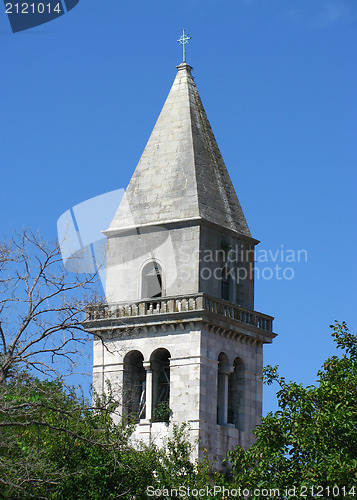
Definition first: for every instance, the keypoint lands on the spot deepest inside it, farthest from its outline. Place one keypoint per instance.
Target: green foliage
(312, 439)
(175, 468)
(162, 412)
(56, 446)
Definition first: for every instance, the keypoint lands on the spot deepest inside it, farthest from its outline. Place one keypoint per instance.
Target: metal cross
(183, 40)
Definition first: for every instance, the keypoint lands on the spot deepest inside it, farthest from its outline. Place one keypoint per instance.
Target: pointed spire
(181, 174)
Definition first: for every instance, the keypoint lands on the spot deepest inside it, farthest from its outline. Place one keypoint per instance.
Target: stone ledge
(174, 314)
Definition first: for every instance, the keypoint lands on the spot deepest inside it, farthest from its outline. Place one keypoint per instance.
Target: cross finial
(183, 40)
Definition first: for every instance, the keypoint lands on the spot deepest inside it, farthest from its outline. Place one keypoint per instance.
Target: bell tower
(180, 339)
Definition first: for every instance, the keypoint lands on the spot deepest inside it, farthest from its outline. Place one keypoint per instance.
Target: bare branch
(39, 300)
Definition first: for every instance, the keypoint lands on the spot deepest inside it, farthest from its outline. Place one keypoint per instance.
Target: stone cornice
(174, 223)
(179, 323)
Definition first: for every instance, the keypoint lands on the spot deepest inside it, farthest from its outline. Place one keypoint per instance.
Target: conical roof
(181, 174)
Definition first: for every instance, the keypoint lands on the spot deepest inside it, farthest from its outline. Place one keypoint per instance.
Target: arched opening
(236, 395)
(134, 385)
(160, 364)
(151, 280)
(222, 388)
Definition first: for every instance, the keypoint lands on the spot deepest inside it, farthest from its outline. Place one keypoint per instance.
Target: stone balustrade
(179, 304)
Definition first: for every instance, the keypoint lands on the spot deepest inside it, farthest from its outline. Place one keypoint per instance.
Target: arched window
(160, 364)
(236, 395)
(134, 385)
(222, 388)
(151, 282)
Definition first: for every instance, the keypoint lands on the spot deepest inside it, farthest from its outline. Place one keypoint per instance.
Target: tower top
(181, 175)
(183, 40)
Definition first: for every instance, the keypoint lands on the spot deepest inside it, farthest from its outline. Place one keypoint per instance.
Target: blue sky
(278, 79)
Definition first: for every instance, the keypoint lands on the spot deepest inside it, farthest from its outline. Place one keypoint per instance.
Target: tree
(311, 442)
(55, 445)
(41, 305)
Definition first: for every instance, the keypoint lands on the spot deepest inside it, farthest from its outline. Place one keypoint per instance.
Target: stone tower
(180, 340)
